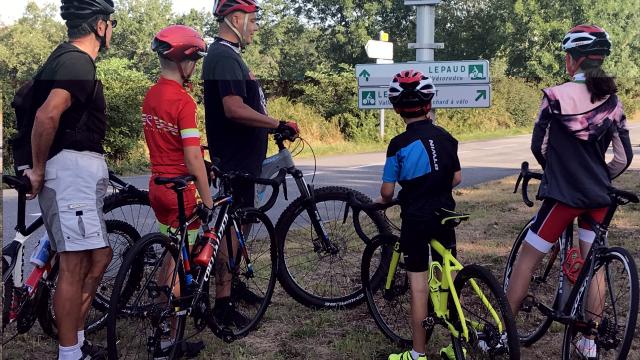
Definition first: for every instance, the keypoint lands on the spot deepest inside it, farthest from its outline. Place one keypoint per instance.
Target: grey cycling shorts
(75, 184)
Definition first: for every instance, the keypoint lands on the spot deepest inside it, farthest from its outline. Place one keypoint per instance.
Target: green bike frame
(439, 290)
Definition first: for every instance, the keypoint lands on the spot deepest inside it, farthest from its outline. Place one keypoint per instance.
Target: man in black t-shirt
(69, 174)
(236, 120)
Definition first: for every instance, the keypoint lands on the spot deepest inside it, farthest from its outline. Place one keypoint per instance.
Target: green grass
(292, 331)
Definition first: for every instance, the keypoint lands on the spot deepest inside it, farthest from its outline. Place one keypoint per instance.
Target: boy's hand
(380, 200)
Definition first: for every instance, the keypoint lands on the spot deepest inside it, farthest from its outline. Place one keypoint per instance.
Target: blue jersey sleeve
(391, 170)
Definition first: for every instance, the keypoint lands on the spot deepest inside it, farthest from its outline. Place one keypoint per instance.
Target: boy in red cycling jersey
(172, 135)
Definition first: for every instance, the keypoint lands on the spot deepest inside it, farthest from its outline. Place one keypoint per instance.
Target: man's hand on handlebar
(289, 129)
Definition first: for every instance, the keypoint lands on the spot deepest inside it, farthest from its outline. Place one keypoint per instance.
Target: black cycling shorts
(415, 237)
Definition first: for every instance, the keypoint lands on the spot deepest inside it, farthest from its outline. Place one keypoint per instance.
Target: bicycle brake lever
(515, 191)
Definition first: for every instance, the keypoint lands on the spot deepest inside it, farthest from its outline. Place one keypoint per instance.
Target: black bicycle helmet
(77, 12)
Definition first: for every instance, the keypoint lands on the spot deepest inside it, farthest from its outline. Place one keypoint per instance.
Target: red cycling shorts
(554, 217)
(164, 202)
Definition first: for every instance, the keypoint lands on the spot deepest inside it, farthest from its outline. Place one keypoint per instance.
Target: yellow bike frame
(439, 289)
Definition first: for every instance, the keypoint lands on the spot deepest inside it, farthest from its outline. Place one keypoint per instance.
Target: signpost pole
(381, 124)
(425, 34)
(425, 31)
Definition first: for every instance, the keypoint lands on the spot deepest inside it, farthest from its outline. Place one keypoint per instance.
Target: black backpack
(25, 107)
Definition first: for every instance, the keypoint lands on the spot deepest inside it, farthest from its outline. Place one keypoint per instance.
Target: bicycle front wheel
(487, 315)
(531, 321)
(390, 308)
(140, 313)
(252, 280)
(318, 272)
(605, 314)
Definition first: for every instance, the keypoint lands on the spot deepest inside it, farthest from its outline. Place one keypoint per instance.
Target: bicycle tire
(606, 332)
(132, 207)
(97, 316)
(150, 251)
(389, 310)
(488, 332)
(533, 324)
(318, 291)
(252, 288)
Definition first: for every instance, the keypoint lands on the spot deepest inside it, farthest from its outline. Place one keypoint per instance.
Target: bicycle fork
(323, 243)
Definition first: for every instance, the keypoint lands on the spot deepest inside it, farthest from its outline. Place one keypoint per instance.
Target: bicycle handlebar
(359, 205)
(21, 183)
(525, 176)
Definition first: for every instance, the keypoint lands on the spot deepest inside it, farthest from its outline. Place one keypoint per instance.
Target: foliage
(306, 51)
(124, 92)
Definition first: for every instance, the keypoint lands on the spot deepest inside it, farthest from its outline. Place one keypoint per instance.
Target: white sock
(415, 355)
(69, 352)
(81, 337)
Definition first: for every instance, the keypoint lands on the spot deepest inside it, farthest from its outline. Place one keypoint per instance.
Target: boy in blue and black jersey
(424, 161)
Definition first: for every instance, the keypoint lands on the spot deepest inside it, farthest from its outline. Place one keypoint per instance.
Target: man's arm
(44, 130)
(236, 110)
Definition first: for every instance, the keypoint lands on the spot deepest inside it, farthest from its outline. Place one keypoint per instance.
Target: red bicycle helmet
(179, 43)
(411, 93)
(222, 8)
(587, 41)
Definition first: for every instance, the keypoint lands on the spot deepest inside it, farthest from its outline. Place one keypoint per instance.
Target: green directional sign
(482, 94)
(476, 72)
(365, 74)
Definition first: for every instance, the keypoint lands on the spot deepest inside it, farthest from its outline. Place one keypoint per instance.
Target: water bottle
(42, 252)
(211, 243)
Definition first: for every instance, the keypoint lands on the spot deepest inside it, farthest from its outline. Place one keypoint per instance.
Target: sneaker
(405, 356)
(241, 292)
(587, 348)
(92, 352)
(187, 349)
(226, 314)
(447, 353)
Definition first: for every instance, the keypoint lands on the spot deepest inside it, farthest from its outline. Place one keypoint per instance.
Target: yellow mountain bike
(470, 305)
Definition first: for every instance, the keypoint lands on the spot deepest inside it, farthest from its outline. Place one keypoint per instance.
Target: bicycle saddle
(451, 218)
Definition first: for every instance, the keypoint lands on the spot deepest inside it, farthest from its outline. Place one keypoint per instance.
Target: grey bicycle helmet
(77, 12)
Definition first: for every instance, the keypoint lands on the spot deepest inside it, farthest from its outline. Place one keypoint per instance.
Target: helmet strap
(240, 36)
(101, 38)
(186, 81)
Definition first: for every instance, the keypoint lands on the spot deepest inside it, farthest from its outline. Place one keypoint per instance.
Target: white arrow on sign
(452, 96)
(441, 72)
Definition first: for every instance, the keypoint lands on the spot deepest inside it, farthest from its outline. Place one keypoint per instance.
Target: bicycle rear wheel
(312, 273)
(476, 287)
(532, 323)
(121, 237)
(610, 323)
(252, 282)
(132, 207)
(140, 315)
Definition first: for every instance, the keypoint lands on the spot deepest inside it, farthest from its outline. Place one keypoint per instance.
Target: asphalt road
(482, 161)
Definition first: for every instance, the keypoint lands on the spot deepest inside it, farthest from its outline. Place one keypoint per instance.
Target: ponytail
(599, 84)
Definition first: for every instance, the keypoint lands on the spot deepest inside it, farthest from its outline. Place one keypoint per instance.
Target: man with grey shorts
(69, 174)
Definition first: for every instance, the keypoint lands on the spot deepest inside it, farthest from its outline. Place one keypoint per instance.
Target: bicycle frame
(277, 167)
(439, 294)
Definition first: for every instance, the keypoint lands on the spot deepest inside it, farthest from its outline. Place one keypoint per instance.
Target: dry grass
(291, 331)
